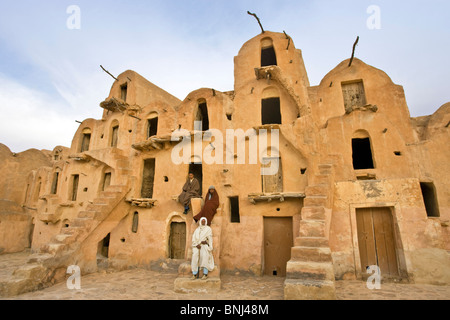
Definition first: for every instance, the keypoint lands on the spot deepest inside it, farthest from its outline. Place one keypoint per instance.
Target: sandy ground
(143, 284)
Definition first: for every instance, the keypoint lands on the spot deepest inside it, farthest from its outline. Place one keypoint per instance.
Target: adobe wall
(15, 219)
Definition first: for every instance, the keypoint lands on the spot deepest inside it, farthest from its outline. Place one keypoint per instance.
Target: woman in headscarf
(202, 246)
(210, 207)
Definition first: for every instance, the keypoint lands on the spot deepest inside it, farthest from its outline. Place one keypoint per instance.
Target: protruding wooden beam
(257, 19)
(108, 73)
(353, 52)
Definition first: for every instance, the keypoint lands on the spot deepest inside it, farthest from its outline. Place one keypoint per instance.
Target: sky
(50, 57)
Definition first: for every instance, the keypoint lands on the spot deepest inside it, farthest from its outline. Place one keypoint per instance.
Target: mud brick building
(359, 181)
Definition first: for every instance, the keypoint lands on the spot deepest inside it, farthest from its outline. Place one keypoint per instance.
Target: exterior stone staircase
(310, 272)
(49, 266)
(183, 283)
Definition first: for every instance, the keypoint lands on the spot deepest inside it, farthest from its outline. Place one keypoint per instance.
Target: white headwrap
(202, 233)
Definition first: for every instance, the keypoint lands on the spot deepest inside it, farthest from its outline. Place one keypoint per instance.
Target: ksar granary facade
(359, 182)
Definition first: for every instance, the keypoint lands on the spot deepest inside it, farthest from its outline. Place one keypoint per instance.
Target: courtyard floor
(143, 284)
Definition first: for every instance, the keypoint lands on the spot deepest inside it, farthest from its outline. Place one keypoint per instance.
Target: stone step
(312, 228)
(53, 248)
(185, 270)
(317, 190)
(313, 254)
(87, 214)
(96, 207)
(64, 238)
(81, 222)
(295, 289)
(313, 213)
(322, 179)
(311, 242)
(325, 168)
(307, 270)
(315, 201)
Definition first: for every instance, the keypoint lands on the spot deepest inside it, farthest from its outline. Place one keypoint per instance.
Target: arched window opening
(85, 140)
(268, 56)
(152, 125)
(362, 151)
(201, 117)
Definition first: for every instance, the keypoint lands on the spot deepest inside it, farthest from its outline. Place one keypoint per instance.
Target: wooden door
(148, 178)
(376, 240)
(272, 183)
(177, 241)
(278, 241)
(354, 95)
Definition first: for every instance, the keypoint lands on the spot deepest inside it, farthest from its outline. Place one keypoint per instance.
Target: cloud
(30, 119)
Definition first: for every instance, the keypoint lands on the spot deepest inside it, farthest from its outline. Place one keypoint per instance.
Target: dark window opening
(115, 136)
(202, 116)
(75, 181)
(362, 154)
(85, 142)
(55, 183)
(152, 127)
(234, 208)
(270, 111)
(397, 153)
(430, 199)
(106, 181)
(124, 91)
(134, 227)
(303, 170)
(148, 178)
(197, 170)
(229, 117)
(268, 57)
(103, 246)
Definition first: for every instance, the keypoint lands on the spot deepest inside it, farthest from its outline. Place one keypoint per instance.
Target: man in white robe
(202, 246)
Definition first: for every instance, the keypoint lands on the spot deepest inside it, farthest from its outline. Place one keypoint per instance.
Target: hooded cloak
(210, 208)
(190, 190)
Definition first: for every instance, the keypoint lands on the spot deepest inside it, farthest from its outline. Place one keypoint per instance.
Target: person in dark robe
(191, 189)
(210, 207)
